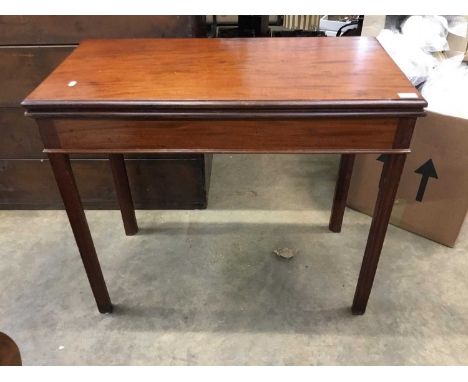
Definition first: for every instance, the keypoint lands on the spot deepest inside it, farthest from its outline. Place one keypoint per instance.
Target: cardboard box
(432, 198)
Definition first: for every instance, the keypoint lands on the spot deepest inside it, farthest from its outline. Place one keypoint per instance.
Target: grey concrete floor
(203, 287)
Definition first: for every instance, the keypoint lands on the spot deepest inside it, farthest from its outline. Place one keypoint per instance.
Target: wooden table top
(322, 73)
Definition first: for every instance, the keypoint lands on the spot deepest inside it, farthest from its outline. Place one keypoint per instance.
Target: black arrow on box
(427, 170)
(382, 158)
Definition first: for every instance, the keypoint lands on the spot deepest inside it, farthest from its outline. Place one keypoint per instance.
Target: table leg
(124, 195)
(71, 199)
(341, 192)
(383, 207)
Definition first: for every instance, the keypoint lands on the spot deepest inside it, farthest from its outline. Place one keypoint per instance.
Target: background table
(285, 95)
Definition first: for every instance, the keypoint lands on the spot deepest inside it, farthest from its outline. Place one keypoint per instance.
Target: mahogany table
(271, 95)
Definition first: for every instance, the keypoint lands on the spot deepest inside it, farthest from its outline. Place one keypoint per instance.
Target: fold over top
(261, 74)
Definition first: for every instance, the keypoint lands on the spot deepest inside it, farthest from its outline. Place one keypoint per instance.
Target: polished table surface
(274, 95)
(182, 71)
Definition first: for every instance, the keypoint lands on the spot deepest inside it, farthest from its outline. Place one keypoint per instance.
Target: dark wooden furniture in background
(30, 48)
(324, 95)
(9, 352)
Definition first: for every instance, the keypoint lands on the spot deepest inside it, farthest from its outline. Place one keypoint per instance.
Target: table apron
(277, 136)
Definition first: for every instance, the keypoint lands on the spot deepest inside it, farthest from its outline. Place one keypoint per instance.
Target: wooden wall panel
(19, 135)
(155, 184)
(30, 49)
(23, 68)
(41, 30)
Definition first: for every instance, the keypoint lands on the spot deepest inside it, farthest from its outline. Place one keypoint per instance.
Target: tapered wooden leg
(71, 199)
(341, 192)
(124, 195)
(383, 207)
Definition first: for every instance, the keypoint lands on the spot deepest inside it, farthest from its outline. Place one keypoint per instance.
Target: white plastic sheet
(410, 58)
(429, 33)
(445, 83)
(446, 89)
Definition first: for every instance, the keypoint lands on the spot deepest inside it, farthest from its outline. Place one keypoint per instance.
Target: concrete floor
(203, 287)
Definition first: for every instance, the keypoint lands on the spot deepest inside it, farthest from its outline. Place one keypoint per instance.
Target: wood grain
(20, 139)
(389, 181)
(238, 95)
(341, 192)
(218, 136)
(124, 195)
(31, 47)
(227, 72)
(71, 199)
(404, 132)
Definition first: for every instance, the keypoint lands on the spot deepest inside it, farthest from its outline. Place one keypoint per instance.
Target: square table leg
(389, 181)
(341, 192)
(71, 199)
(124, 196)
